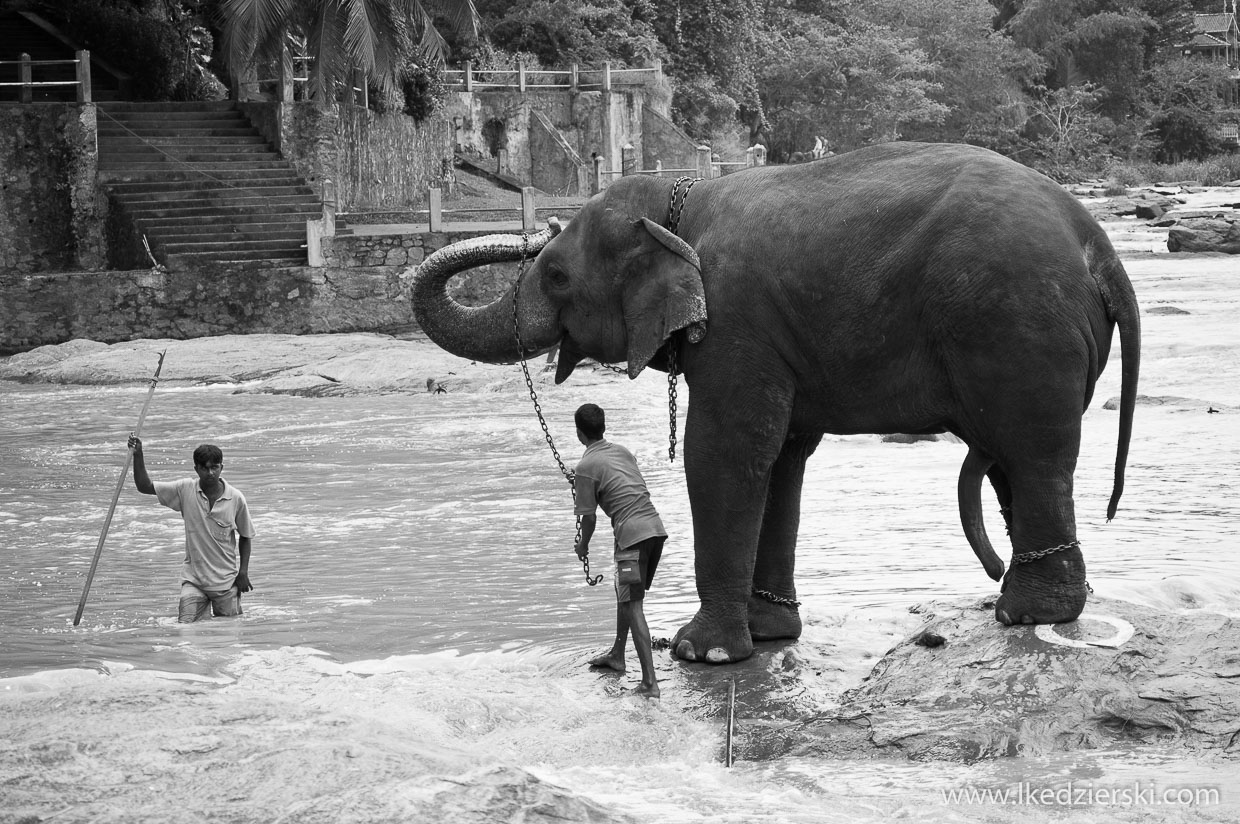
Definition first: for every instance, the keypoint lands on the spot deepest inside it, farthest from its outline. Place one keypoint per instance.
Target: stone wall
(51, 214)
(365, 160)
(360, 289)
(588, 122)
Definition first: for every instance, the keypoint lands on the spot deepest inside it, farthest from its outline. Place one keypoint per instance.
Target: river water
(415, 645)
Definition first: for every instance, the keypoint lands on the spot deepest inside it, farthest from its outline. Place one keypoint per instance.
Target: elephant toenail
(1004, 618)
(1025, 619)
(685, 651)
(718, 655)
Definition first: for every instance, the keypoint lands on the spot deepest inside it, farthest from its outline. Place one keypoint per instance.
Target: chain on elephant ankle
(776, 599)
(1030, 557)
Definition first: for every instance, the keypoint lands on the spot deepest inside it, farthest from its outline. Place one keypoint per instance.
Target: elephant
(900, 288)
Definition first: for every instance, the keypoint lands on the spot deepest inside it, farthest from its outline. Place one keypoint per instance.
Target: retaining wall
(51, 214)
(354, 292)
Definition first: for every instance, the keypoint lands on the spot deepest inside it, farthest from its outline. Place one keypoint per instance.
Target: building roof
(1213, 23)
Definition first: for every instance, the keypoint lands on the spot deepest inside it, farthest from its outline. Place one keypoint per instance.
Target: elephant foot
(712, 642)
(1051, 590)
(769, 621)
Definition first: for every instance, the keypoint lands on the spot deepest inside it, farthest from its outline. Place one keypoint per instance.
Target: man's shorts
(195, 602)
(646, 554)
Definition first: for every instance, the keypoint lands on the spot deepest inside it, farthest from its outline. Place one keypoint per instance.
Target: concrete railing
(706, 167)
(574, 77)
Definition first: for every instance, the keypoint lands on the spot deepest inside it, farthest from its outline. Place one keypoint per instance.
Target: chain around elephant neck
(675, 206)
(542, 421)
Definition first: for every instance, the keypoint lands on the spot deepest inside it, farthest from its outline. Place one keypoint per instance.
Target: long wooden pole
(120, 484)
(727, 758)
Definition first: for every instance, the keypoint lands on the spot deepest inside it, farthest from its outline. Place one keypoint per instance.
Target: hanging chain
(671, 398)
(674, 209)
(542, 421)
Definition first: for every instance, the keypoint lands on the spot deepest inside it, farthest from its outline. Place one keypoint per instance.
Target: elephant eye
(557, 278)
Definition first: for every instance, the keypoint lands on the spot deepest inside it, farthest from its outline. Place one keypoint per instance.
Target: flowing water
(415, 645)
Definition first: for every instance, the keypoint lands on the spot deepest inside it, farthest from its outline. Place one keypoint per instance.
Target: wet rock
(1166, 310)
(1000, 691)
(1216, 233)
(305, 365)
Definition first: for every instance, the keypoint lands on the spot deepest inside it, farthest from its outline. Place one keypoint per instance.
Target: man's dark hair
(591, 421)
(208, 453)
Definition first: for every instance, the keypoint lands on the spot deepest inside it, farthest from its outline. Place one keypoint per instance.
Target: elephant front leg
(773, 610)
(729, 453)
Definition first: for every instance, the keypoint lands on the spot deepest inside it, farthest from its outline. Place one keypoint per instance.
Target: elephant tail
(1121, 303)
(969, 492)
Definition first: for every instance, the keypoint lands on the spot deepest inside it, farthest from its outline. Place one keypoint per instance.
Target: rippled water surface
(415, 587)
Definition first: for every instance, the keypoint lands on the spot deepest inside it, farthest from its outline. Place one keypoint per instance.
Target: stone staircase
(202, 185)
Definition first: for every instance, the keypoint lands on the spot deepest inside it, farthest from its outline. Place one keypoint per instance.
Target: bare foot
(647, 691)
(607, 661)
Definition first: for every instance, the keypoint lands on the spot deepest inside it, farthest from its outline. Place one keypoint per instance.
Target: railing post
(596, 175)
(469, 75)
(434, 208)
(573, 77)
(521, 78)
(26, 96)
(501, 161)
(324, 226)
(704, 166)
(658, 71)
(527, 209)
(749, 160)
(607, 77)
(83, 76)
(628, 160)
(658, 168)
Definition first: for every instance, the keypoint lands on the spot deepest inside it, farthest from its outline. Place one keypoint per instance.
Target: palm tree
(375, 36)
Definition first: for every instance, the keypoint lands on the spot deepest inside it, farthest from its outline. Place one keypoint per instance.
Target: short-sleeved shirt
(211, 558)
(607, 477)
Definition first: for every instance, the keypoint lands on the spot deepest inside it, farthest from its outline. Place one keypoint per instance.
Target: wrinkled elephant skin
(912, 288)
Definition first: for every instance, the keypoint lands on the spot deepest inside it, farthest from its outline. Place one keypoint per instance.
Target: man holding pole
(217, 533)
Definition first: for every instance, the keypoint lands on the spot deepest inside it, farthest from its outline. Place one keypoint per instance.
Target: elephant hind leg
(1045, 583)
(773, 612)
(969, 492)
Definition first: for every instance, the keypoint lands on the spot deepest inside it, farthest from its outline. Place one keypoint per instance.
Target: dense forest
(1076, 88)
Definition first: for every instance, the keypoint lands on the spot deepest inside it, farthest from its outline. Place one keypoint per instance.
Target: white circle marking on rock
(1123, 631)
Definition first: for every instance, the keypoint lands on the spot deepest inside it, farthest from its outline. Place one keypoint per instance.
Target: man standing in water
(217, 567)
(607, 477)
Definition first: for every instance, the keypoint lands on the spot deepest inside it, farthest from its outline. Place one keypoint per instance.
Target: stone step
(131, 188)
(108, 130)
(182, 245)
(253, 209)
(155, 162)
(284, 197)
(223, 235)
(244, 220)
(172, 115)
(189, 143)
(188, 106)
(174, 171)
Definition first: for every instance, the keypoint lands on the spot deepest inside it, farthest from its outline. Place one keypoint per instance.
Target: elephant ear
(663, 297)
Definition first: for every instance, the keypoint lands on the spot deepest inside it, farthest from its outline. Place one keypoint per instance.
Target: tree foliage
(378, 37)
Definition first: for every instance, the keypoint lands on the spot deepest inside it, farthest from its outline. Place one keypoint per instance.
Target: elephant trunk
(485, 333)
